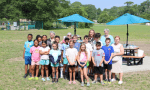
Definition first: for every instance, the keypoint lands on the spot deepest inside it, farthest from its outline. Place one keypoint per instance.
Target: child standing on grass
(82, 59)
(44, 62)
(77, 46)
(108, 63)
(89, 51)
(98, 56)
(55, 57)
(65, 46)
(57, 39)
(35, 59)
(27, 55)
(71, 54)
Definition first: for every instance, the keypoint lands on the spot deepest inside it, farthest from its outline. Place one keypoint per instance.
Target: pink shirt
(83, 57)
(35, 53)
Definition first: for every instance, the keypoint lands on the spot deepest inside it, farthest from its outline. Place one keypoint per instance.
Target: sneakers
(120, 82)
(88, 84)
(74, 82)
(109, 81)
(94, 82)
(56, 80)
(30, 74)
(36, 78)
(113, 80)
(48, 79)
(106, 81)
(31, 78)
(53, 80)
(102, 83)
(82, 84)
(70, 82)
(25, 75)
(43, 79)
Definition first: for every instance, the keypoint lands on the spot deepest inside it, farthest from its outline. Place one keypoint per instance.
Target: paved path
(145, 66)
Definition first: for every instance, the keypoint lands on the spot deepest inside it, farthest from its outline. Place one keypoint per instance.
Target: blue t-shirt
(27, 47)
(55, 54)
(103, 40)
(77, 46)
(64, 47)
(108, 50)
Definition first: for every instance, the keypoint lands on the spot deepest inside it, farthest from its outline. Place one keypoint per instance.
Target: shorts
(44, 62)
(82, 64)
(61, 65)
(88, 63)
(98, 70)
(65, 61)
(91, 64)
(55, 65)
(108, 66)
(35, 63)
(72, 66)
(27, 60)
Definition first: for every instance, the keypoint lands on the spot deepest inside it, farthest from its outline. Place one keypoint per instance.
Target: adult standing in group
(91, 36)
(103, 38)
(117, 59)
(52, 37)
(69, 35)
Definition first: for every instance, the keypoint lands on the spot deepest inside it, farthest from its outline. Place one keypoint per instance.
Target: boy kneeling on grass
(98, 57)
(108, 63)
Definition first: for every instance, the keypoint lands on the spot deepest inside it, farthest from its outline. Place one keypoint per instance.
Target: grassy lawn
(12, 64)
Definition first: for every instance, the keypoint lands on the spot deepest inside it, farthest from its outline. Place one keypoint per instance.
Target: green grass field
(12, 64)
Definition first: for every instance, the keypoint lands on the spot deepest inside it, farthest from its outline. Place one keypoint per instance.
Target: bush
(59, 25)
(88, 25)
(81, 25)
(47, 25)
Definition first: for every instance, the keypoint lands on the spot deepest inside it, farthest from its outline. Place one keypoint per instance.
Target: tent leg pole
(127, 36)
(74, 28)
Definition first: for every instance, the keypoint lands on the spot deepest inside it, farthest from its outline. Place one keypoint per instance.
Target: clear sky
(107, 3)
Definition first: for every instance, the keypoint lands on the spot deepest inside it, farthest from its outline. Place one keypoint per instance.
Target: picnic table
(129, 56)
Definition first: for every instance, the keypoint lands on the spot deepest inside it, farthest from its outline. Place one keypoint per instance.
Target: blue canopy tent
(127, 19)
(75, 18)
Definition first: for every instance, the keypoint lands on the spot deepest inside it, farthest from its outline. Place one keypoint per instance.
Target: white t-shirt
(94, 44)
(88, 49)
(45, 57)
(72, 54)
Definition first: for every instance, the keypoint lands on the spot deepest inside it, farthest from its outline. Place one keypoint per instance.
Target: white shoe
(113, 80)
(120, 82)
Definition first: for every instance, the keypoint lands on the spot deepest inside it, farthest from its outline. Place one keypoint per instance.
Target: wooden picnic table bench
(133, 58)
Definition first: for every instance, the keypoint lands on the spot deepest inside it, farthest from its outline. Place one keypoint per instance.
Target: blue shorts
(27, 60)
(65, 61)
(82, 64)
(55, 65)
(44, 62)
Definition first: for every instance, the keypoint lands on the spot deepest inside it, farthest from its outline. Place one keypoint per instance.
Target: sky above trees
(107, 3)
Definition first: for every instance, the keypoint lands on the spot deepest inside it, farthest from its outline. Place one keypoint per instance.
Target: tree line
(49, 11)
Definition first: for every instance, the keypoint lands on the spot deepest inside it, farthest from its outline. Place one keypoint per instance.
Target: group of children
(68, 57)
